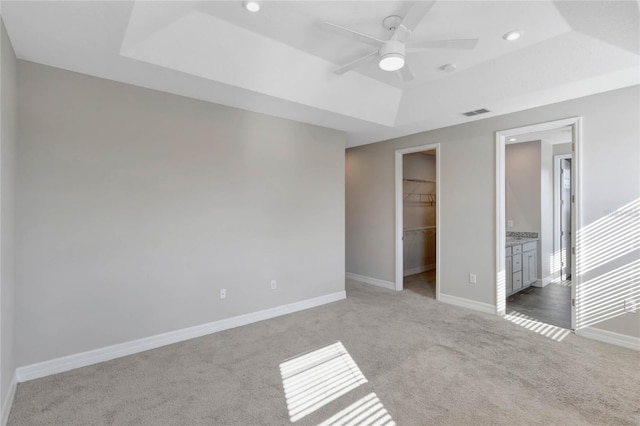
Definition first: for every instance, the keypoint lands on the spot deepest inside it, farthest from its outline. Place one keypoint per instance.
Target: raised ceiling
(280, 61)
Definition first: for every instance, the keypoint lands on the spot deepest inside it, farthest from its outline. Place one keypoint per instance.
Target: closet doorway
(417, 220)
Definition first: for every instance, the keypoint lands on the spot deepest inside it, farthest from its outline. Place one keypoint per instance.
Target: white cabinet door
(517, 281)
(529, 267)
(508, 277)
(516, 264)
(526, 268)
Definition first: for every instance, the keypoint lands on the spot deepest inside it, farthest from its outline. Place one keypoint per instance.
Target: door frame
(400, 209)
(576, 212)
(556, 205)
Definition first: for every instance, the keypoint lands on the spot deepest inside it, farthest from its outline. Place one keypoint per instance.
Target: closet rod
(418, 180)
(419, 228)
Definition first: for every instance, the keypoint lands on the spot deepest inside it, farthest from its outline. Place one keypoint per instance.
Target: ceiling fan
(391, 53)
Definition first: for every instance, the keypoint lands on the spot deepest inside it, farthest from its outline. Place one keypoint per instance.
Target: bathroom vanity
(521, 263)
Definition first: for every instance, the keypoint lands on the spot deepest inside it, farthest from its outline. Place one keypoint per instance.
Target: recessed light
(513, 140)
(512, 35)
(251, 5)
(449, 67)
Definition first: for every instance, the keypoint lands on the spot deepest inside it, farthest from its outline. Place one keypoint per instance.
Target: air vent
(476, 112)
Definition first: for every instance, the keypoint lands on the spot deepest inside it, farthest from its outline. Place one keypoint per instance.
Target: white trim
(576, 215)
(576, 222)
(501, 291)
(610, 337)
(373, 281)
(543, 282)
(8, 401)
(468, 303)
(418, 269)
(399, 284)
(70, 362)
(399, 208)
(556, 201)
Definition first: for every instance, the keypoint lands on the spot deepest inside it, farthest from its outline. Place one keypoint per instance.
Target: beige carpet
(379, 356)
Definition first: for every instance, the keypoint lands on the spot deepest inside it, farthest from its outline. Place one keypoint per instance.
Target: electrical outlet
(223, 293)
(472, 278)
(273, 284)
(630, 306)
(509, 224)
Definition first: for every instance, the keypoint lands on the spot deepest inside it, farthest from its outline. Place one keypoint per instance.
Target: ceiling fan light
(251, 5)
(391, 62)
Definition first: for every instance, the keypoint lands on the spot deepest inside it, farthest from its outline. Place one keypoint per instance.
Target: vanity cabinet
(529, 263)
(508, 272)
(521, 265)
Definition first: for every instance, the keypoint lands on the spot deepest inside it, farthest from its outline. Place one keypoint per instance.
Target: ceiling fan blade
(460, 44)
(356, 63)
(355, 35)
(414, 16)
(405, 73)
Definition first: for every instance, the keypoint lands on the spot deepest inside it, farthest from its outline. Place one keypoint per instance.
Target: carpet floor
(378, 357)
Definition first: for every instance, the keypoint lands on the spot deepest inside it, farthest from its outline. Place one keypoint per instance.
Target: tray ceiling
(280, 61)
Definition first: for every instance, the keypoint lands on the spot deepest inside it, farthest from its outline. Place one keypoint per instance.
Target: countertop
(512, 241)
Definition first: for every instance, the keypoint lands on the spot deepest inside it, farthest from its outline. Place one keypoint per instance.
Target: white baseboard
(373, 281)
(467, 303)
(543, 282)
(70, 362)
(610, 337)
(8, 401)
(418, 270)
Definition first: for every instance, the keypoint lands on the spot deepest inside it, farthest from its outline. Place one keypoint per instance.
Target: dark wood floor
(550, 304)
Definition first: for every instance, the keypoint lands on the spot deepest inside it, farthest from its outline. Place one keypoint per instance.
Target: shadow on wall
(556, 260)
(602, 296)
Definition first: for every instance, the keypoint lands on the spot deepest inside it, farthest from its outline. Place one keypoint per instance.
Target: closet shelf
(413, 197)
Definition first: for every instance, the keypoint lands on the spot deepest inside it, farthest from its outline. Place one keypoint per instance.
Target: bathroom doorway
(417, 220)
(536, 220)
(562, 216)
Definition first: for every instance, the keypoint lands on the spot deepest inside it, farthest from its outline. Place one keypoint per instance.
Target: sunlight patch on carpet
(367, 411)
(314, 379)
(547, 330)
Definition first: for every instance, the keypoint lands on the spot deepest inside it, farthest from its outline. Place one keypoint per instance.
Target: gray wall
(522, 186)
(136, 207)
(545, 245)
(610, 179)
(529, 196)
(562, 148)
(7, 171)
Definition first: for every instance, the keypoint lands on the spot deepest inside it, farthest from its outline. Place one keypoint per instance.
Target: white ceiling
(280, 61)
